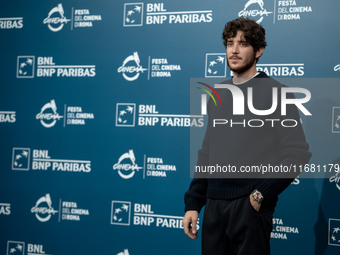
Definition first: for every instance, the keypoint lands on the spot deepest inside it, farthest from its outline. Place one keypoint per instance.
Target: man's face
(240, 54)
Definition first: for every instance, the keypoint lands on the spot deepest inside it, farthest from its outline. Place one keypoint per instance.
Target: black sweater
(242, 145)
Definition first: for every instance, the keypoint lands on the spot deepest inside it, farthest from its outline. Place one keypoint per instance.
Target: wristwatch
(257, 195)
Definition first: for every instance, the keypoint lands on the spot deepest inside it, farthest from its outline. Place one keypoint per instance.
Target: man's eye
(229, 44)
(244, 44)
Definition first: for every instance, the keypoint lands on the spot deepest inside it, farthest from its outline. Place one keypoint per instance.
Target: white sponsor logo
(336, 120)
(25, 66)
(125, 252)
(134, 69)
(143, 216)
(76, 116)
(44, 117)
(80, 18)
(334, 232)
(70, 211)
(15, 248)
(83, 18)
(161, 68)
(215, 65)
(47, 68)
(157, 68)
(35, 249)
(287, 10)
(253, 12)
(7, 116)
(153, 166)
(21, 159)
(280, 230)
(127, 170)
(281, 70)
(120, 213)
(5, 208)
(55, 24)
(11, 23)
(42, 161)
(41, 211)
(149, 116)
(336, 68)
(336, 180)
(133, 15)
(125, 114)
(157, 14)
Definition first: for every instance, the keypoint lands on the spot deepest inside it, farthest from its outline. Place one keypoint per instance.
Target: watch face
(257, 196)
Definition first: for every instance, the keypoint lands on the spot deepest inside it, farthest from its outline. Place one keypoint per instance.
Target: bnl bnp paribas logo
(120, 213)
(46, 67)
(125, 213)
(156, 13)
(11, 23)
(334, 232)
(18, 248)
(215, 65)
(15, 248)
(254, 9)
(21, 159)
(148, 115)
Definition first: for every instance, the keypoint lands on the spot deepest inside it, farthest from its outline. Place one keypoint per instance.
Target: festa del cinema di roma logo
(45, 117)
(40, 210)
(238, 103)
(127, 169)
(250, 11)
(131, 67)
(54, 23)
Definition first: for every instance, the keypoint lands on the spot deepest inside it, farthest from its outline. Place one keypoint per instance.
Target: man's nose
(235, 49)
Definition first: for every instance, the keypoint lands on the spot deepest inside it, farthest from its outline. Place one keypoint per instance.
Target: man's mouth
(234, 58)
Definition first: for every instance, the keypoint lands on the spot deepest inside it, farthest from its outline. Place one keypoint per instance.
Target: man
(238, 211)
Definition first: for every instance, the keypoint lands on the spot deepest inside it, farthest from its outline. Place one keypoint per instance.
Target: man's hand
(189, 224)
(254, 203)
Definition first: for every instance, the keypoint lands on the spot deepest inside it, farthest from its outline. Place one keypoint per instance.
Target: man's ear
(259, 52)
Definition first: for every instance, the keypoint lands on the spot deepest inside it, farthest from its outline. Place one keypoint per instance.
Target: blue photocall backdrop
(95, 120)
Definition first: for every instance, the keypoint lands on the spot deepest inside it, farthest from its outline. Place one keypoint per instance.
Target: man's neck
(244, 76)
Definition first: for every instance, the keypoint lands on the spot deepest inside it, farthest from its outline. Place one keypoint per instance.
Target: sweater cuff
(191, 204)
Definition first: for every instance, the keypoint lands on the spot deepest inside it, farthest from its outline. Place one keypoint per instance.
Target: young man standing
(238, 211)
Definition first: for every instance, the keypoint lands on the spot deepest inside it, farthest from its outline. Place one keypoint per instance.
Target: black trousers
(234, 227)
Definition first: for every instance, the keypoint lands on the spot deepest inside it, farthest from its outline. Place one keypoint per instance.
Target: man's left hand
(254, 203)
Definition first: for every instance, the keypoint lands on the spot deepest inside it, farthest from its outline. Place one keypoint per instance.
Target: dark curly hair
(254, 33)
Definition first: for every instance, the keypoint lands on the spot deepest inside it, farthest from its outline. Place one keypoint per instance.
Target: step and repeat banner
(95, 120)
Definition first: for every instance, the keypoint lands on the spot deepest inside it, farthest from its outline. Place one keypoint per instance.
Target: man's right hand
(189, 224)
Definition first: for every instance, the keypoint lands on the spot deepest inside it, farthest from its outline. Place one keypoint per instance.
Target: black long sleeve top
(239, 143)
